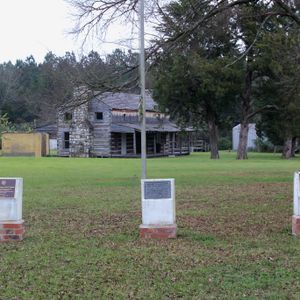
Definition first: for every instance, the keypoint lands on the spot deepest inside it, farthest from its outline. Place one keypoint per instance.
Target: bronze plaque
(7, 188)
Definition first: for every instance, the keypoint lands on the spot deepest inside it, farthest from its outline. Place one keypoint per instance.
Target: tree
(282, 57)
(5, 126)
(249, 22)
(7, 86)
(57, 78)
(93, 15)
(195, 92)
(123, 66)
(255, 23)
(192, 81)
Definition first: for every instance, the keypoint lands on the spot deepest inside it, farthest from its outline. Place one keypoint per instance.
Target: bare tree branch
(289, 10)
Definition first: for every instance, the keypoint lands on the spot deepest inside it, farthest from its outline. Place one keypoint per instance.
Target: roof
(126, 101)
(46, 127)
(122, 128)
(165, 126)
(149, 128)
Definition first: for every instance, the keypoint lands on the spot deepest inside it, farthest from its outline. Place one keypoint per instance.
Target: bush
(225, 143)
(263, 145)
(7, 126)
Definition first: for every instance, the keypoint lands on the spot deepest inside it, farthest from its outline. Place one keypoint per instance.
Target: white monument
(158, 208)
(296, 216)
(11, 196)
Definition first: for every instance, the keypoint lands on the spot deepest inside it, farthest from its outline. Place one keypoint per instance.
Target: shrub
(225, 143)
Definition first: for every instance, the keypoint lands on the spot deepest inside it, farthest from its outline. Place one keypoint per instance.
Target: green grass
(82, 217)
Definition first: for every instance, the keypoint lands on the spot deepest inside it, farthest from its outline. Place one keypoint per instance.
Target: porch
(128, 144)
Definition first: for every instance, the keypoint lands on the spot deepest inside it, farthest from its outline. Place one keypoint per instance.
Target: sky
(35, 27)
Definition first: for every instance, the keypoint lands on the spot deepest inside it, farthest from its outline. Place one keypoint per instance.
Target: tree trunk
(294, 146)
(287, 148)
(242, 148)
(213, 137)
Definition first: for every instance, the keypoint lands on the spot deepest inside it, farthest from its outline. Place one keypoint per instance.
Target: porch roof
(131, 127)
(121, 128)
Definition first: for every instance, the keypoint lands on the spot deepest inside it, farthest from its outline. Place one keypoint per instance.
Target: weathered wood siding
(101, 128)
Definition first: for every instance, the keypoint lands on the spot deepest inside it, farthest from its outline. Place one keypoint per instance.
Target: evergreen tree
(281, 55)
(192, 81)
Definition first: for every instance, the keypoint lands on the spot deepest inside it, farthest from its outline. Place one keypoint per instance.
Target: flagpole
(142, 85)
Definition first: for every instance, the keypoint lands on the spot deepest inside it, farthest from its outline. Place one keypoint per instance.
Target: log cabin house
(108, 125)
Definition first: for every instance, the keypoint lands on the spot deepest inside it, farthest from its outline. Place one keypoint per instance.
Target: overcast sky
(35, 27)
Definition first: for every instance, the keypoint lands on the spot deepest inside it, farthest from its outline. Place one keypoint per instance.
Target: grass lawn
(82, 217)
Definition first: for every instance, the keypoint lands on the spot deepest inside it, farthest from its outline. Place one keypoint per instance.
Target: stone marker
(158, 208)
(296, 216)
(11, 223)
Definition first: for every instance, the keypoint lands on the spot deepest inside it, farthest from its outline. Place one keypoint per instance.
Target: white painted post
(296, 194)
(296, 216)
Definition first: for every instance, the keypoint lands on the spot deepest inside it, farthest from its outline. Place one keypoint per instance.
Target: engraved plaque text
(157, 190)
(7, 188)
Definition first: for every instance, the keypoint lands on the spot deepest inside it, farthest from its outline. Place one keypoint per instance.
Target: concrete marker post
(158, 209)
(296, 215)
(11, 198)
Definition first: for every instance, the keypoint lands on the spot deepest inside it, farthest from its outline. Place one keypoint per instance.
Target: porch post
(180, 144)
(173, 143)
(134, 142)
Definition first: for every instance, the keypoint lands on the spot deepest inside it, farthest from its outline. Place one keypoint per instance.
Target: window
(68, 116)
(99, 116)
(67, 140)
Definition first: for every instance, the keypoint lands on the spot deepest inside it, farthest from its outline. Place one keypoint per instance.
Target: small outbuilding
(252, 136)
(25, 144)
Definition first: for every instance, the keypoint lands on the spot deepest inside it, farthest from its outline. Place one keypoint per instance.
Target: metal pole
(142, 83)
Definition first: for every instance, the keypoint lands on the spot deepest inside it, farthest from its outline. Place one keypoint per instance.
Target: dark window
(99, 115)
(68, 116)
(67, 140)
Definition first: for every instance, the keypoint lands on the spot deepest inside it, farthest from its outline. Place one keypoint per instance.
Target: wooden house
(108, 125)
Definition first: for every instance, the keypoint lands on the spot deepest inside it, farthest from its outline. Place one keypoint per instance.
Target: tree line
(32, 92)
